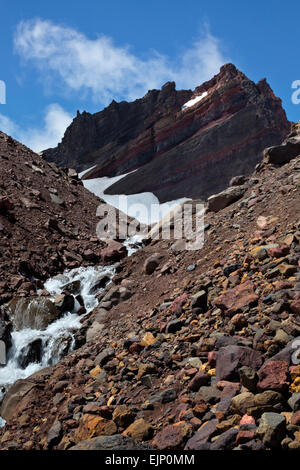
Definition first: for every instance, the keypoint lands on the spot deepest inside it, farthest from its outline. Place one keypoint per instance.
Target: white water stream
(58, 338)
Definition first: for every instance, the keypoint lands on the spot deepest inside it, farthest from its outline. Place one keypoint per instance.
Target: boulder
(219, 201)
(92, 425)
(55, 434)
(151, 264)
(281, 154)
(199, 300)
(33, 312)
(203, 435)
(64, 302)
(231, 358)
(272, 428)
(109, 443)
(274, 376)
(73, 287)
(238, 180)
(200, 379)
(99, 283)
(60, 347)
(172, 437)
(14, 396)
(31, 353)
(226, 441)
(114, 251)
(105, 356)
(294, 401)
(255, 405)
(5, 332)
(123, 416)
(139, 430)
(237, 298)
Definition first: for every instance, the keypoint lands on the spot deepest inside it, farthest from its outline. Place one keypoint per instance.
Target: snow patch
(86, 171)
(145, 207)
(193, 101)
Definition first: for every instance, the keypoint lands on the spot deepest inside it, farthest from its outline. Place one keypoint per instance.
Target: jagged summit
(182, 143)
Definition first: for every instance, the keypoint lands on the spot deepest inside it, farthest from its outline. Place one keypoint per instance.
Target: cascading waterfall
(59, 335)
(58, 338)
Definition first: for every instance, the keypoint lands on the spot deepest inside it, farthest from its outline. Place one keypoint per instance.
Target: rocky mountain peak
(186, 143)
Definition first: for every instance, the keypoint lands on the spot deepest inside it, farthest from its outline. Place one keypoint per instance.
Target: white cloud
(56, 120)
(67, 57)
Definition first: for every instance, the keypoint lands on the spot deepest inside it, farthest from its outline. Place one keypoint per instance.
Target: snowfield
(144, 207)
(193, 101)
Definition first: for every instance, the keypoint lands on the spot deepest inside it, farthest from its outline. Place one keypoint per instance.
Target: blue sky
(60, 56)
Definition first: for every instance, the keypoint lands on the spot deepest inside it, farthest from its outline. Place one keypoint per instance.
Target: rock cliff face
(178, 151)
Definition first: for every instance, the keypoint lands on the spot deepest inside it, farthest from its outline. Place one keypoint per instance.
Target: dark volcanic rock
(117, 442)
(216, 202)
(31, 353)
(220, 136)
(289, 149)
(231, 358)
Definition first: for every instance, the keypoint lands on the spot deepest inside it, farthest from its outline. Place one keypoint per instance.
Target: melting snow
(193, 101)
(145, 207)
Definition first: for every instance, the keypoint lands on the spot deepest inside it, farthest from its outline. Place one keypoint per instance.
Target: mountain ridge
(177, 152)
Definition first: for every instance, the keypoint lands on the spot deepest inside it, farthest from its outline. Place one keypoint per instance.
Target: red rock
(295, 419)
(295, 306)
(279, 252)
(191, 372)
(200, 409)
(177, 304)
(273, 376)
(246, 419)
(200, 379)
(244, 436)
(239, 321)
(222, 384)
(90, 255)
(135, 347)
(237, 298)
(113, 252)
(283, 284)
(254, 201)
(195, 422)
(172, 437)
(212, 358)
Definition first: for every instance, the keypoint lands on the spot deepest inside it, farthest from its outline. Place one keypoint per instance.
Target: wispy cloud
(56, 120)
(66, 57)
